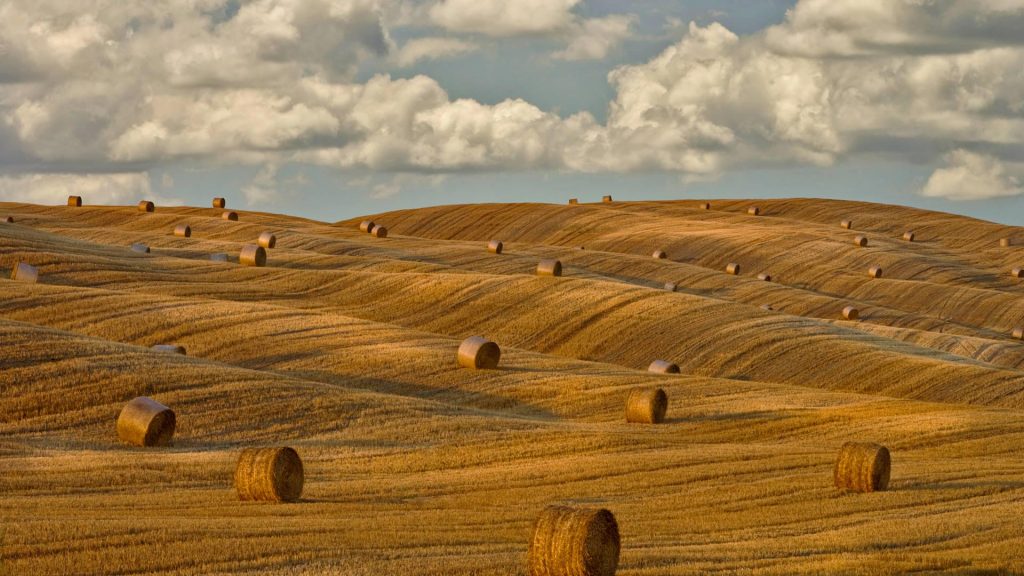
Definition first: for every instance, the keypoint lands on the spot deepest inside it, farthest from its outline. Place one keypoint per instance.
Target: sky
(332, 109)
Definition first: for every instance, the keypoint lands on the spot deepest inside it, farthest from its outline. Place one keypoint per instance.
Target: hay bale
(606, 199)
(570, 541)
(862, 467)
(646, 406)
(230, 215)
(1017, 272)
(1005, 242)
(23, 272)
(366, 226)
(146, 206)
(875, 272)
(851, 313)
(169, 349)
(573, 201)
(75, 201)
(765, 277)
(379, 232)
(908, 236)
(1018, 333)
(219, 257)
(8, 219)
(478, 353)
(219, 203)
(269, 475)
(495, 246)
(267, 239)
(732, 268)
(848, 224)
(671, 286)
(146, 422)
(549, 267)
(706, 206)
(754, 211)
(663, 367)
(861, 241)
(659, 254)
(767, 307)
(253, 255)
(183, 231)
(140, 247)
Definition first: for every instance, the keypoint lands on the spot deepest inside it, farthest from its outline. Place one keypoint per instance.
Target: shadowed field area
(344, 348)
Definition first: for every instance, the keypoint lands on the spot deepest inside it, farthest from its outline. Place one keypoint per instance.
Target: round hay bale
(183, 231)
(269, 474)
(659, 254)
(706, 206)
(75, 201)
(146, 422)
(140, 247)
(1018, 333)
(146, 206)
(169, 349)
(379, 232)
(253, 255)
(219, 203)
(767, 307)
(366, 226)
(570, 541)
(733, 268)
(765, 277)
(875, 272)
(754, 211)
(573, 201)
(663, 367)
(851, 313)
(478, 353)
(23, 272)
(861, 241)
(1005, 242)
(1017, 272)
(495, 246)
(219, 257)
(549, 267)
(9, 219)
(267, 239)
(848, 224)
(606, 199)
(862, 467)
(908, 236)
(671, 286)
(646, 406)
(230, 215)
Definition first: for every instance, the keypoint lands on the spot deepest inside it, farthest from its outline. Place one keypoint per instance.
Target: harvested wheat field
(344, 347)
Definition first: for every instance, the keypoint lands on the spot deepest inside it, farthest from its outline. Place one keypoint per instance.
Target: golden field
(343, 347)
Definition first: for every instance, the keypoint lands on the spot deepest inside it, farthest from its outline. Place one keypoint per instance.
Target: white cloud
(263, 188)
(593, 39)
(971, 176)
(121, 189)
(431, 49)
(504, 17)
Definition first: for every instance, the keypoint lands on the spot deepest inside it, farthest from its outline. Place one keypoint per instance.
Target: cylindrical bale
(379, 232)
(146, 422)
(663, 367)
(733, 268)
(671, 286)
(219, 203)
(495, 246)
(570, 541)
(848, 224)
(146, 206)
(764, 276)
(908, 236)
(23, 272)
(1018, 333)
(862, 467)
(269, 474)
(754, 211)
(1004, 242)
(573, 201)
(169, 349)
(851, 313)
(366, 226)
(549, 267)
(219, 257)
(183, 230)
(875, 272)
(140, 247)
(1017, 272)
(253, 255)
(478, 353)
(606, 199)
(659, 254)
(9, 219)
(75, 201)
(861, 241)
(267, 240)
(646, 406)
(230, 215)
(706, 206)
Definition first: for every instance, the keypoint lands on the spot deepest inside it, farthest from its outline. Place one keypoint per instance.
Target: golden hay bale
(606, 199)
(75, 201)
(908, 236)
(219, 203)
(862, 467)
(671, 286)
(706, 206)
(1018, 333)
(478, 353)
(366, 226)
(549, 267)
(733, 268)
(848, 224)
(875, 272)
(146, 206)
(269, 474)
(23, 272)
(140, 247)
(1017, 272)
(379, 232)
(9, 219)
(169, 349)
(253, 255)
(861, 241)
(663, 367)
(267, 239)
(495, 246)
(1004, 242)
(764, 276)
(183, 230)
(146, 422)
(851, 313)
(219, 257)
(754, 211)
(646, 406)
(570, 541)
(573, 201)
(659, 254)
(230, 215)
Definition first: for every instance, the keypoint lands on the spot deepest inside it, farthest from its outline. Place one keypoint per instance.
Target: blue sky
(336, 108)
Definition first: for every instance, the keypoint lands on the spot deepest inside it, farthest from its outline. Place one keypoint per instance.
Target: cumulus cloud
(95, 188)
(504, 17)
(593, 39)
(971, 176)
(431, 49)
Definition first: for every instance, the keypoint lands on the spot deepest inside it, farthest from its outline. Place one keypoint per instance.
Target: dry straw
(23, 272)
(861, 241)
(495, 246)
(570, 541)
(478, 353)
(549, 267)
(754, 211)
(875, 272)
(269, 474)
(646, 406)
(219, 203)
(573, 201)
(1017, 272)
(140, 247)
(733, 268)
(366, 226)
(706, 206)
(659, 254)
(862, 467)
(671, 286)
(75, 201)
(219, 257)
(146, 206)
(663, 367)
(379, 232)
(9, 219)
(267, 240)
(253, 255)
(146, 422)
(183, 230)
(1018, 333)
(851, 313)
(765, 277)
(606, 199)
(1005, 242)
(230, 215)
(848, 224)
(908, 236)
(767, 307)
(170, 349)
